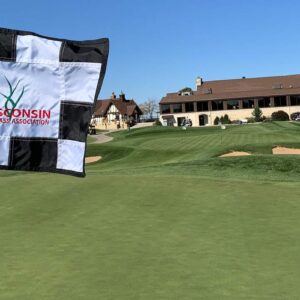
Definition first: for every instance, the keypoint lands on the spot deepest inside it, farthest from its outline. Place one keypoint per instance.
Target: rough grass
(160, 217)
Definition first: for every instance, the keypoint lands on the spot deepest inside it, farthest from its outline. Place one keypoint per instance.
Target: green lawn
(160, 217)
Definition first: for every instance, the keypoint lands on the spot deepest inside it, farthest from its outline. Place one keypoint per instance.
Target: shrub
(280, 116)
(257, 114)
(157, 123)
(216, 121)
(266, 120)
(251, 120)
(295, 115)
(226, 119)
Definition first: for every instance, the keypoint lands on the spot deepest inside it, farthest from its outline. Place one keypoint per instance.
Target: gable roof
(240, 88)
(102, 107)
(125, 107)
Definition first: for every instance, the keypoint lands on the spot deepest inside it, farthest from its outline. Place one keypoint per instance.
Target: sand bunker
(283, 150)
(91, 159)
(276, 150)
(236, 153)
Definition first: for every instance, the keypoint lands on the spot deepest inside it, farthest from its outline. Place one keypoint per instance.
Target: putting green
(161, 216)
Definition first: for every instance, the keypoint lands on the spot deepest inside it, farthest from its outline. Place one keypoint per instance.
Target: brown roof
(125, 107)
(102, 107)
(240, 88)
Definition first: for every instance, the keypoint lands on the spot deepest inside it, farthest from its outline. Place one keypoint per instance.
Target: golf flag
(48, 90)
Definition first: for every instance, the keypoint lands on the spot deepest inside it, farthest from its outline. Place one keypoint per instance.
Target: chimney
(199, 82)
(113, 96)
(122, 96)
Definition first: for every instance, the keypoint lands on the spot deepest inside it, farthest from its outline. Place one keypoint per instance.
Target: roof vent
(277, 86)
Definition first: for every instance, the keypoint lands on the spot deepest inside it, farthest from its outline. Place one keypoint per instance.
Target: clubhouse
(236, 97)
(116, 112)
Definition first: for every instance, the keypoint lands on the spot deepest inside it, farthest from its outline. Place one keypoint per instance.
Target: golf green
(161, 216)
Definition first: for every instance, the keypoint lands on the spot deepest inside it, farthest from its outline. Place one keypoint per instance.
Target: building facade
(116, 112)
(237, 98)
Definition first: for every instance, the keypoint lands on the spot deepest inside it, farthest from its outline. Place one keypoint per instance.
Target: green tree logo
(10, 103)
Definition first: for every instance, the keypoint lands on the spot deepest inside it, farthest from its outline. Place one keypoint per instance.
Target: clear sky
(160, 46)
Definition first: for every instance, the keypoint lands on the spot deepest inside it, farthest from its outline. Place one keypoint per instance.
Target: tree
(257, 114)
(149, 107)
(186, 89)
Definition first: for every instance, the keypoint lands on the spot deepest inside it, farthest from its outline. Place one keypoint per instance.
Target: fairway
(161, 216)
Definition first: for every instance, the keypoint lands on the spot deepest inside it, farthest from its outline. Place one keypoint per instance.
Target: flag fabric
(48, 90)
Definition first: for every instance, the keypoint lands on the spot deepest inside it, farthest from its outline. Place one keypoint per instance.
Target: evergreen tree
(216, 121)
(257, 114)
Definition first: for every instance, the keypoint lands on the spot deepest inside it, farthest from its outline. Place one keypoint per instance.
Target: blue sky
(162, 46)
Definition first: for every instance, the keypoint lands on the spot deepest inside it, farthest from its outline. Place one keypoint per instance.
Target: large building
(116, 112)
(236, 98)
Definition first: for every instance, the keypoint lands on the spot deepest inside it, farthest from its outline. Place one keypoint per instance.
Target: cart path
(102, 138)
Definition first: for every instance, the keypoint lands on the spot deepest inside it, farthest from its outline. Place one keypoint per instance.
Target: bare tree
(149, 107)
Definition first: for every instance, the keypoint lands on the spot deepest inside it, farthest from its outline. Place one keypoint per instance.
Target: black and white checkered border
(74, 116)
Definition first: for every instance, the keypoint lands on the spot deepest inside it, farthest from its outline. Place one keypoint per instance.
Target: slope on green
(195, 152)
(160, 217)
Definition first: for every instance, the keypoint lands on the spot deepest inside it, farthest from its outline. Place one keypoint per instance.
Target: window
(264, 102)
(233, 104)
(217, 105)
(165, 109)
(177, 108)
(189, 106)
(202, 106)
(248, 103)
(186, 93)
(295, 100)
(280, 101)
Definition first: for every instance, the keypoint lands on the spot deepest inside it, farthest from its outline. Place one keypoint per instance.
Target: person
(92, 127)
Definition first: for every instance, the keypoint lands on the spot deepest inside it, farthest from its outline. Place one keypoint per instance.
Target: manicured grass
(195, 152)
(160, 217)
(91, 139)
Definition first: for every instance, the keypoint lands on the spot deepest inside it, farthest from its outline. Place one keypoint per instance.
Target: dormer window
(185, 92)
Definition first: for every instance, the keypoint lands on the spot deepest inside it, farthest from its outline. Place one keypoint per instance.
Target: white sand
(283, 150)
(236, 153)
(92, 159)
